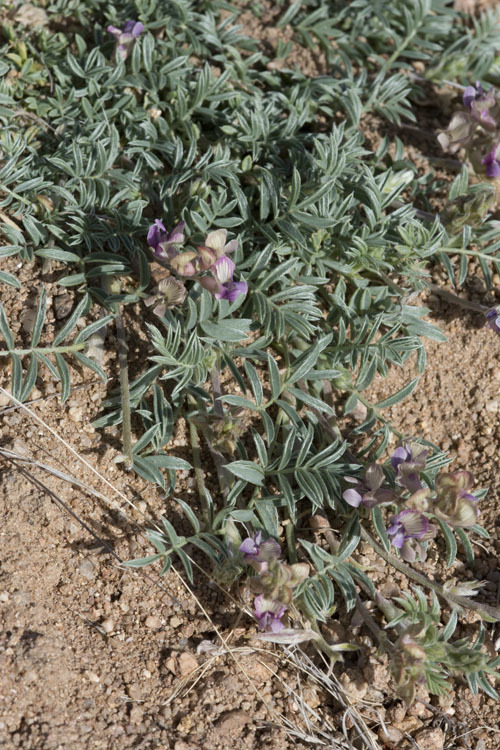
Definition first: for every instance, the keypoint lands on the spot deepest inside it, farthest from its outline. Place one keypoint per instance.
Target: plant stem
(216, 388)
(453, 299)
(290, 541)
(44, 350)
(198, 470)
(124, 390)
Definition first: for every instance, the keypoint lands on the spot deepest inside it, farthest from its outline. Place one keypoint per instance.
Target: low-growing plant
(179, 183)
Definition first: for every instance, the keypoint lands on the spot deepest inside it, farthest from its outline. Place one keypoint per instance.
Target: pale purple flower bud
(269, 614)
(408, 524)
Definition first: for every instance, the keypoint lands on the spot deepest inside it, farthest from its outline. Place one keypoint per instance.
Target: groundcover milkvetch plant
(289, 253)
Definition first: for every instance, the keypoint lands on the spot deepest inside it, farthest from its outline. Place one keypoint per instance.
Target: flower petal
(216, 240)
(470, 94)
(493, 169)
(352, 498)
(223, 270)
(233, 289)
(374, 476)
(211, 285)
(399, 455)
(415, 523)
(248, 547)
(231, 247)
(157, 231)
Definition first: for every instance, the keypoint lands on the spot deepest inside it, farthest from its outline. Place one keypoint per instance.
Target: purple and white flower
(482, 105)
(165, 244)
(268, 614)
(408, 524)
(215, 247)
(260, 553)
(126, 37)
(408, 463)
(221, 283)
(368, 492)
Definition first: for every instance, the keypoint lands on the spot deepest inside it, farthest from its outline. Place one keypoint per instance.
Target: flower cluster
(476, 129)
(451, 500)
(274, 581)
(126, 37)
(208, 264)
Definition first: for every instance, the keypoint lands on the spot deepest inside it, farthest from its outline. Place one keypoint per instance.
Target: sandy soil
(96, 656)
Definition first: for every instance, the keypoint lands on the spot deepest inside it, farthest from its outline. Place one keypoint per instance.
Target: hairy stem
(454, 299)
(198, 470)
(216, 389)
(44, 350)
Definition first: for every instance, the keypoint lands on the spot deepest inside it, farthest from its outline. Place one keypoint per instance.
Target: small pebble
(87, 569)
(187, 663)
(136, 714)
(76, 414)
(4, 399)
(152, 622)
(492, 406)
(431, 738)
(391, 737)
(135, 692)
(108, 626)
(62, 305)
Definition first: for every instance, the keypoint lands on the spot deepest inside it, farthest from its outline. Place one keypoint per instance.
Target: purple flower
(221, 283)
(479, 103)
(407, 466)
(408, 524)
(165, 243)
(493, 319)
(126, 36)
(258, 553)
(492, 162)
(368, 492)
(269, 613)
